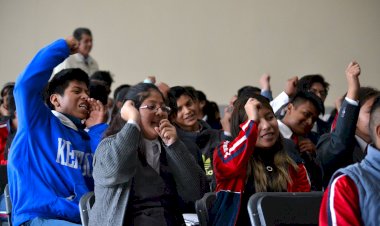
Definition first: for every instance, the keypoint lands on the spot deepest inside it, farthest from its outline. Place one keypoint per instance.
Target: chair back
(202, 207)
(7, 214)
(284, 208)
(85, 204)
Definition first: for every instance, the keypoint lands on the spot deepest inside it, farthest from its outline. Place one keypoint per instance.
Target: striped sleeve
(232, 156)
(340, 203)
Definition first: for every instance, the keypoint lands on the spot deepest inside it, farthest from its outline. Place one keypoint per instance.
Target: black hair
(248, 90)
(11, 102)
(366, 93)
(6, 87)
(120, 92)
(192, 91)
(137, 93)
(80, 31)
(104, 76)
(302, 97)
(99, 91)
(61, 81)
(307, 81)
(374, 120)
(174, 94)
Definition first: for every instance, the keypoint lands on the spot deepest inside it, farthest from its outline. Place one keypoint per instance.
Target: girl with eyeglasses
(143, 173)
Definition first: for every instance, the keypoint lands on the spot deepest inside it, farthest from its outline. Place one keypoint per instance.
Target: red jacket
(230, 168)
(3, 140)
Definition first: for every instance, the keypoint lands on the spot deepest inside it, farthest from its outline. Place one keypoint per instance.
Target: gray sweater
(115, 164)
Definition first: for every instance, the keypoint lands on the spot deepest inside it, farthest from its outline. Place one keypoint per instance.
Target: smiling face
(85, 45)
(300, 118)
(73, 101)
(268, 131)
(318, 89)
(151, 118)
(362, 125)
(186, 116)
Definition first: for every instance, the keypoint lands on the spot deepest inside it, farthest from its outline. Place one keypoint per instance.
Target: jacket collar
(65, 120)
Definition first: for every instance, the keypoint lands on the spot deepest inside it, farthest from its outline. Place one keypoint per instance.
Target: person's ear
(290, 107)
(55, 100)
(377, 130)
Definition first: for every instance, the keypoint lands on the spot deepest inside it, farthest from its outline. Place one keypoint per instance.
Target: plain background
(216, 46)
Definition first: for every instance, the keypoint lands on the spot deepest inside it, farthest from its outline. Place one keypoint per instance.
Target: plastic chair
(284, 208)
(85, 204)
(202, 207)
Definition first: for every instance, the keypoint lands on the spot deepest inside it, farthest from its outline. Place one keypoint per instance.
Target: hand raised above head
(73, 44)
(265, 81)
(352, 75)
(291, 86)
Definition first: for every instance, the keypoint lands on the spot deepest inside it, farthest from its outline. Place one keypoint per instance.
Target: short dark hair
(99, 91)
(61, 81)
(104, 76)
(305, 83)
(80, 31)
(302, 97)
(248, 90)
(120, 92)
(374, 120)
(11, 102)
(174, 94)
(366, 93)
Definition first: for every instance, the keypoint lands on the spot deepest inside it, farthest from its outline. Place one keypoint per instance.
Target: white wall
(215, 45)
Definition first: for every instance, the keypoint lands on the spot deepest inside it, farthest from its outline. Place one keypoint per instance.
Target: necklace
(269, 168)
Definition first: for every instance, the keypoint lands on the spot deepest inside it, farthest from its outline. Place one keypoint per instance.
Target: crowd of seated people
(152, 150)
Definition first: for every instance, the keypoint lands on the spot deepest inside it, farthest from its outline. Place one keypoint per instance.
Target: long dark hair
(137, 93)
(280, 177)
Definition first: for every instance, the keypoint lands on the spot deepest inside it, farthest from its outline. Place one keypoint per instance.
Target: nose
(264, 124)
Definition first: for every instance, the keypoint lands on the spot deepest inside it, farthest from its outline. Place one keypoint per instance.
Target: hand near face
(167, 132)
(129, 112)
(226, 120)
(252, 109)
(73, 44)
(291, 86)
(305, 145)
(97, 113)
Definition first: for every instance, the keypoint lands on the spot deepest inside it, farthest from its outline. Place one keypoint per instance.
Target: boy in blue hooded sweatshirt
(50, 162)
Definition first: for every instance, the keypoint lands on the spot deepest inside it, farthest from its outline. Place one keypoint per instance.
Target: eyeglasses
(155, 108)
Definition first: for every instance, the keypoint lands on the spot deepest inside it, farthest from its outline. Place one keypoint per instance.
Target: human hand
(167, 132)
(265, 81)
(97, 113)
(226, 120)
(73, 44)
(128, 111)
(352, 76)
(252, 107)
(291, 86)
(305, 145)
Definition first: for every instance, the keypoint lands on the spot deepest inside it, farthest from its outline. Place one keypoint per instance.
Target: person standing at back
(82, 58)
(50, 160)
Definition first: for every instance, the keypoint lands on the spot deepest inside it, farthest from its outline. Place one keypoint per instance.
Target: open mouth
(84, 106)
(268, 136)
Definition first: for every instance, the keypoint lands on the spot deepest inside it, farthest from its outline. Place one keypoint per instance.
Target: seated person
(50, 161)
(348, 142)
(255, 161)
(352, 197)
(196, 134)
(142, 170)
(300, 116)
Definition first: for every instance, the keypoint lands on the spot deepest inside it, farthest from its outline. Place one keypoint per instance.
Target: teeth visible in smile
(83, 106)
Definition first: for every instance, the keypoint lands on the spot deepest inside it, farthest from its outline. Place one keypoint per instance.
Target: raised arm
(334, 150)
